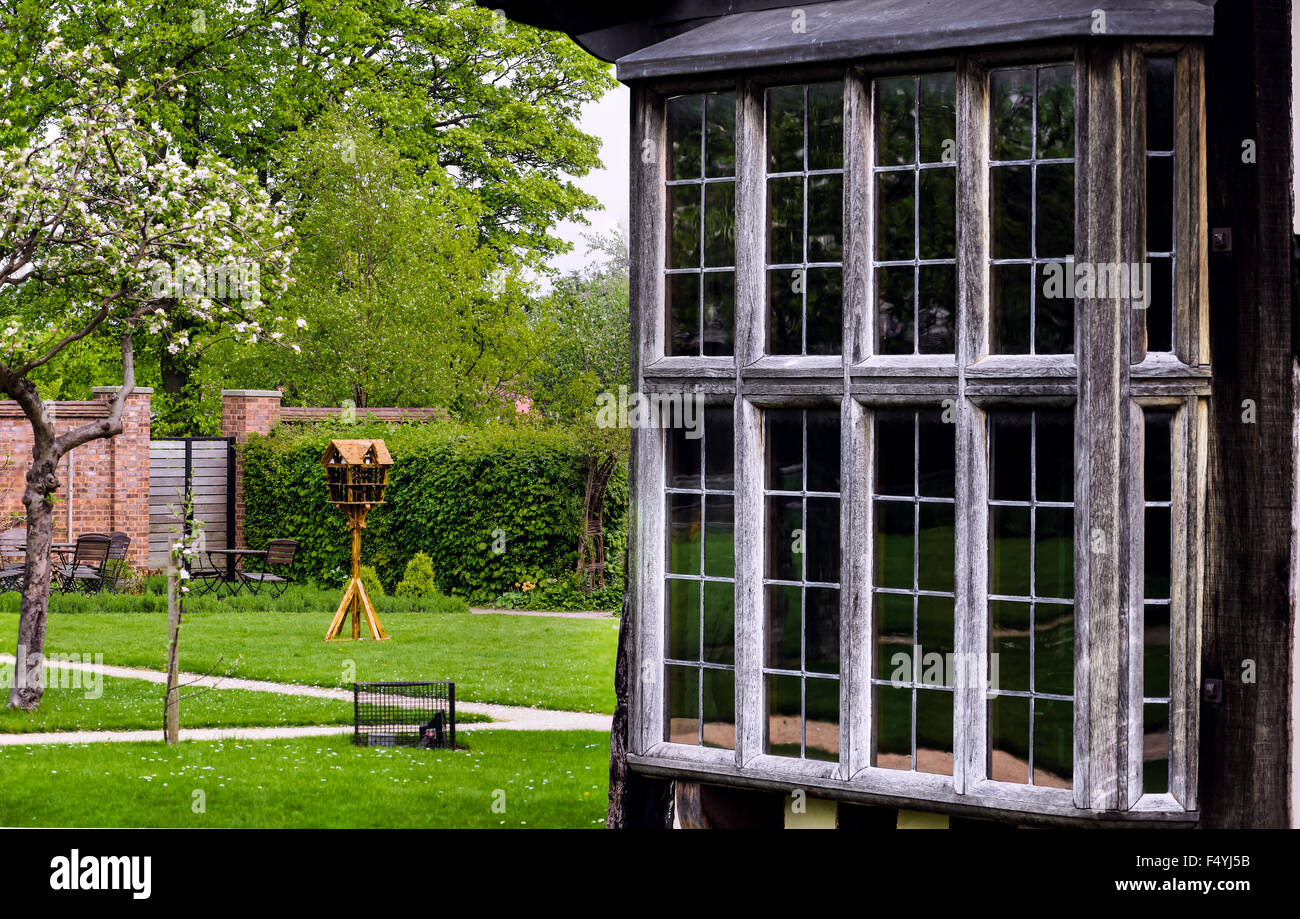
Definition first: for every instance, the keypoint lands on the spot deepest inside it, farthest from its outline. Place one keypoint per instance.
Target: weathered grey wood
(1147, 389)
(1135, 167)
(1191, 267)
(857, 622)
(1029, 393)
(711, 367)
(751, 238)
(780, 366)
(638, 801)
(811, 391)
(1105, 234)
(970, 638)
(751, 344)
(1249, 612)
(905, 392)
(1160, 366)
(645, 555)
(972, 213)
(990, 800)
(1183, 612)
(1018, 367)
(749, 582)
(686, 384)
(859, 226)
(907, 365)
(1134, 623)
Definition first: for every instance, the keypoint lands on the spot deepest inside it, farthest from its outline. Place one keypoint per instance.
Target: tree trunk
(41, 485)
(172, 705)
(42, 482)
(591, 541)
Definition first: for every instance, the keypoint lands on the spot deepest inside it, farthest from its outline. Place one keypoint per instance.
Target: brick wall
(129, 470)
(245, 412)
(109, 478)
(398, 415)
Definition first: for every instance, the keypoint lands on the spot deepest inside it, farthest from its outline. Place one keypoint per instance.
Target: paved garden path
(504, 717)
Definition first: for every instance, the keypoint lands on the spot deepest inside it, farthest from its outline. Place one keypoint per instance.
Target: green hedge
(452, 488)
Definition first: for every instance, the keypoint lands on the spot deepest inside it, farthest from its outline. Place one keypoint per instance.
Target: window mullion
(751, 335)
(970, 728)
(1103, 236)
(1188, 557)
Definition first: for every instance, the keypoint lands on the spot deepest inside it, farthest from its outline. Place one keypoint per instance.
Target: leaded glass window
(805, 195)
(916, 214)
(914, 516)
(1031, 207)
(1031, 597)
(700, 653)
(1157, 546)
(944, 562)
(802, 592)
(701, 200)
(1161, 217)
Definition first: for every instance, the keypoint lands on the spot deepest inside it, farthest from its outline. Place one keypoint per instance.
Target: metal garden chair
(119, 545)
(279, 555)
(13, 550)
(86, 572)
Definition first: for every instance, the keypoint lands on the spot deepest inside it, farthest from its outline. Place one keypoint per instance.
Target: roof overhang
(856, 29)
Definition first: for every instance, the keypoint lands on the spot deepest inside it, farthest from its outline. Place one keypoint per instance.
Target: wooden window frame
(1102, 383)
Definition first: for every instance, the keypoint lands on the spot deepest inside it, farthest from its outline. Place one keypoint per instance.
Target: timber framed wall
(1249, 613)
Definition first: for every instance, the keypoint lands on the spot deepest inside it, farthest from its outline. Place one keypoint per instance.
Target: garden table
(60, 549)
(227, 571)
(15, 559)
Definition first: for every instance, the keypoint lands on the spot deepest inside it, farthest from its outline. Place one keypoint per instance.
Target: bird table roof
(353, 452)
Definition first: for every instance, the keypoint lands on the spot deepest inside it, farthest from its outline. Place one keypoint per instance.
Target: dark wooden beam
(1244, 760)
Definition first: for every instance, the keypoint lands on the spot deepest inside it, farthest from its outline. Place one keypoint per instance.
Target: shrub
(455, 493)
(370, 581)
(418, 581)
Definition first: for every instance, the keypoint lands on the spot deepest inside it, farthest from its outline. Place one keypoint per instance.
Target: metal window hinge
(1212, 691)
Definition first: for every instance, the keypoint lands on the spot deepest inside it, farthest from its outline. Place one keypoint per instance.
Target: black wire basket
(405, 714)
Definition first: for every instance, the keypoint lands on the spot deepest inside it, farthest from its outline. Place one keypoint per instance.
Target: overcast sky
(606, 119)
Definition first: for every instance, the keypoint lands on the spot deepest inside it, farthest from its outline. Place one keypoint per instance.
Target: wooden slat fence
(203, 466)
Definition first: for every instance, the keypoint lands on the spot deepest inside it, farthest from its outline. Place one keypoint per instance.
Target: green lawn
(132, 705)
(516, 660)
(543, 779)
(126, 705)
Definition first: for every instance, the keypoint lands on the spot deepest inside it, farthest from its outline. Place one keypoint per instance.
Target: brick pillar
(245, 412)
(128, 459)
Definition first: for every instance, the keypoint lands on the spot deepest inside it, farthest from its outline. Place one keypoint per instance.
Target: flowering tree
(99, 213)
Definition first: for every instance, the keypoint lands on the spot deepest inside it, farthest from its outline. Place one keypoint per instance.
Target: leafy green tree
(405, 303)
(460, 92)
(456, 88)
(584, 327)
